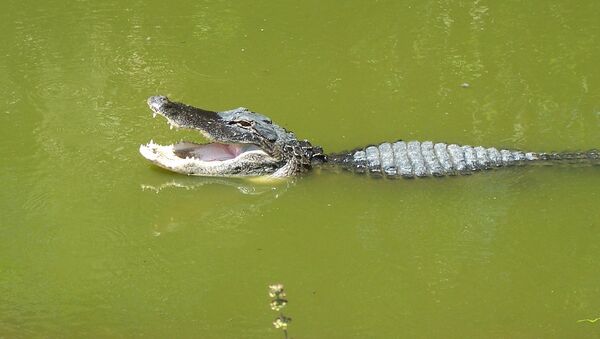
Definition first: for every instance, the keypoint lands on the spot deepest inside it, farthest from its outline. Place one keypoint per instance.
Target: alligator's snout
(156, 102)
(243, 143)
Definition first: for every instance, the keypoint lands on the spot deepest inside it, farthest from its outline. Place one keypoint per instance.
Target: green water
(96, 242)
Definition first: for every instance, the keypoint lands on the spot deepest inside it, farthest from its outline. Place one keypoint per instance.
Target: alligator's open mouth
(219, 158)
(210, 152)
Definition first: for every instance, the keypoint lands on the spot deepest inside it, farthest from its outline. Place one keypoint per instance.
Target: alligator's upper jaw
(184, 116)
(223, 158)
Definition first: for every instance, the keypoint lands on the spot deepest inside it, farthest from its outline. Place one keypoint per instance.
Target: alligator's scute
(425, 159)
(250, 144)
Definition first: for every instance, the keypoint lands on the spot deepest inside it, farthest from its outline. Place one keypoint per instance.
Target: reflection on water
(245, 186)
(216, 214)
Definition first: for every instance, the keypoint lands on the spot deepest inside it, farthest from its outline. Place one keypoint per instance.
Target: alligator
(248, 144)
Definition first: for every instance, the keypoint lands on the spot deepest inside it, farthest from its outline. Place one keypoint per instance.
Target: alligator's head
(244, 143)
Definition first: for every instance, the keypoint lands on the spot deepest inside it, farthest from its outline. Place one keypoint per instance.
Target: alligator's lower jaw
(214, 159)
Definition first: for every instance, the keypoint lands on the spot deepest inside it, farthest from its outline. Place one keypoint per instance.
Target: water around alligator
(95, 242)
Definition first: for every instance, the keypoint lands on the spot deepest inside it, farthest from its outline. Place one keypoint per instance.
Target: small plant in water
(278, 302)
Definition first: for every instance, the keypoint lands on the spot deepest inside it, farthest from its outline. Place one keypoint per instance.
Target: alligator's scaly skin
(424, 159)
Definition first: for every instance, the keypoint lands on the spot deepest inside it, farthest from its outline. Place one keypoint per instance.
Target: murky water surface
(96, 242)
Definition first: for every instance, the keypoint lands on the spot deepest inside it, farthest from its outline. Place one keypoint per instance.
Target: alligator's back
(423, 159)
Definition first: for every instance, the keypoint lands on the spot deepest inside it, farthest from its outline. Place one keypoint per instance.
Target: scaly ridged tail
(423, 159)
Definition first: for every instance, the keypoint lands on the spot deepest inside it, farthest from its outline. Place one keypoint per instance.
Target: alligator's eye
(267, 121)
(242, 123)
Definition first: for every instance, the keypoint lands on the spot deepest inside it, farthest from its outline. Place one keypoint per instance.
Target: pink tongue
(208, 152)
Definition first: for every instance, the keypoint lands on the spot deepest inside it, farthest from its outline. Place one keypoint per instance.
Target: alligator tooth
(154, 114)
(171, 126)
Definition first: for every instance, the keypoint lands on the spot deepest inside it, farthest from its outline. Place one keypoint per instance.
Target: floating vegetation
(278, 302)
(282, 322)
(588, 320)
